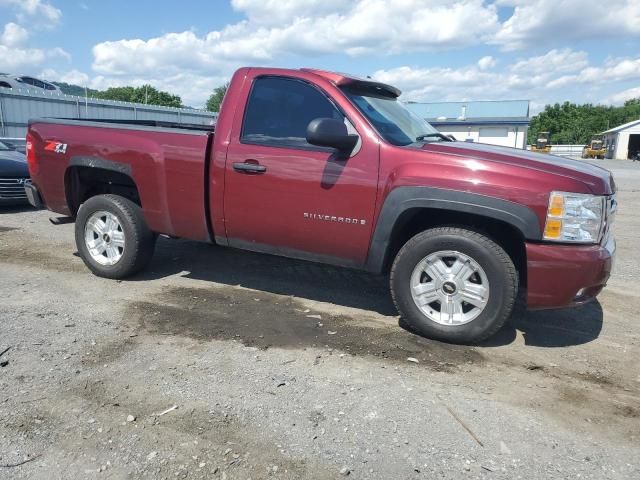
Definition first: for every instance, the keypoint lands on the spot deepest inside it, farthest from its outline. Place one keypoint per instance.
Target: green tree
(144, 94)
(79, 91)
(215, 99)
(570, 123)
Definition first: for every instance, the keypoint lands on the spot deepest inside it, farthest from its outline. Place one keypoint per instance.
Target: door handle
(246, 167)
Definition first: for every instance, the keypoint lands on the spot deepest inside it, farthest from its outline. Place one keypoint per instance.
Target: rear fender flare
(91, 162)
(97, 162)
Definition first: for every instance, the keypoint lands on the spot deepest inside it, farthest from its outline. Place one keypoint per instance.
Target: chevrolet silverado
(332, 168)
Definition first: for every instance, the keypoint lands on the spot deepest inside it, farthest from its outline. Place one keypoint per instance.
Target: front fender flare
(402, 199)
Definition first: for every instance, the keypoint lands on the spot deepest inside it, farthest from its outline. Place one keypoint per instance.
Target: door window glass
(279, 110)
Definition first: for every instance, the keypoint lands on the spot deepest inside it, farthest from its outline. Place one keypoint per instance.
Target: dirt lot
(224, 364)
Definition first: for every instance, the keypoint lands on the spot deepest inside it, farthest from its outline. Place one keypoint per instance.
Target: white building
(503, 122)
(624, 141)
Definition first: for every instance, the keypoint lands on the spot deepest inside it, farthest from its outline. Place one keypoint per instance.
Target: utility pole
(4, 130)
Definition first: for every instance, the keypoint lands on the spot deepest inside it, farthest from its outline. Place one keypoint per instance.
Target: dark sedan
(13, 175)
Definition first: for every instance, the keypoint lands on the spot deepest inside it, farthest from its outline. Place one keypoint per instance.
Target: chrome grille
(13, 188)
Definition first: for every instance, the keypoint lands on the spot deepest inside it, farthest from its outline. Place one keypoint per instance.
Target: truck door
(285, 196)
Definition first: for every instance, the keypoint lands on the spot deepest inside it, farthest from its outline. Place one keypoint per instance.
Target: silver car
(26, 82)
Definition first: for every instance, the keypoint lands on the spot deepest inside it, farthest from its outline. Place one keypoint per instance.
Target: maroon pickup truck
(331, 168)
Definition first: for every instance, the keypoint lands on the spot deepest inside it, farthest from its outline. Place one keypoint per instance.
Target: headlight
(574, 217)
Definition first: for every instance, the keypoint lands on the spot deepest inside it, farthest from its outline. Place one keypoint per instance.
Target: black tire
(139, 240)
(496, 263)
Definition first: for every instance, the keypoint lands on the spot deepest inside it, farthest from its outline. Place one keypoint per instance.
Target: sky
(545, 51)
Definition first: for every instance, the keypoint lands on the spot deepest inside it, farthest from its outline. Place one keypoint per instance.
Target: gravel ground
(224, 364)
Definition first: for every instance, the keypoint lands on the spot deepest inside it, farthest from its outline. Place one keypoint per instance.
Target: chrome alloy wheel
(104, 238)
(450, 287)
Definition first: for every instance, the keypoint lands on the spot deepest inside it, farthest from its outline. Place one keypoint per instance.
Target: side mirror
(329, 132)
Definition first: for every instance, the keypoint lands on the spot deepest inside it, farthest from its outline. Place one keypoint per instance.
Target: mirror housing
(329, 132)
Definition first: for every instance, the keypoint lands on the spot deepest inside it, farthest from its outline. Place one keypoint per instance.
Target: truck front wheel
(112, 236)
(454, 284)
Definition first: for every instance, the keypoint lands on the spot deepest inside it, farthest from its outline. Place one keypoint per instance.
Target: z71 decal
(55, 147)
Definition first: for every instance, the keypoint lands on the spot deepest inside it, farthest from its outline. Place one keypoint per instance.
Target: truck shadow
(552, 328)
(350, 288)
(269, 273)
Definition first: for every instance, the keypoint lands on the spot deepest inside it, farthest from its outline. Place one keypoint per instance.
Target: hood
(13, 164)
(598, 180)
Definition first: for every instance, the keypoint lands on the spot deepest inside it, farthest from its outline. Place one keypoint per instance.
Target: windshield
(4, 146)
(391, 119)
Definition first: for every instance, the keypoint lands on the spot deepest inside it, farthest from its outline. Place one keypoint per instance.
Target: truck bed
(167, 162)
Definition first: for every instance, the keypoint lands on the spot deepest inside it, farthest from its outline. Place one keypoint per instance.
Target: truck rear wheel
(112, 236)
(454, 284)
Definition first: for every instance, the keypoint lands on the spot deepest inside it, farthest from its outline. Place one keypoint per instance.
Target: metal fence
(574, 151)
(17, 106)
(567, 150)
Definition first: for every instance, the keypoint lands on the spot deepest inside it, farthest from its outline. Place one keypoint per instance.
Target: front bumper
(567, 275)
(33, 195)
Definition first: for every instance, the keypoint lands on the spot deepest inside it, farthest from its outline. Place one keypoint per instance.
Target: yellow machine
(542, 145)
(595, 148)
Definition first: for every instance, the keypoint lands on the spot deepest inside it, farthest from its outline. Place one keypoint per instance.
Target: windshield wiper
(442, 136)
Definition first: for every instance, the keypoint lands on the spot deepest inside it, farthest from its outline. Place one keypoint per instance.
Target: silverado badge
(332, 218)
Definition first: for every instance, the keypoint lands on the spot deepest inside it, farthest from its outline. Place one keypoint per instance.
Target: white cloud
(487, 62)
(441, 83)
(541, 78)
(274, 12)
(359, 25)
(422, 25)
(557, 61)
(74, 77)
(23, 59)
(37, 9)
(621, 97)
(275, 29)
(305, 27)
(13, 35)
(194, 89)
(191, 63)
(527, 78)
(614, 70)
(15, 57)
(546, 21)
